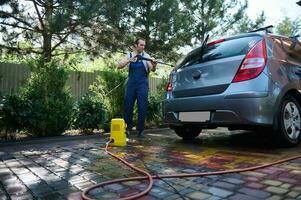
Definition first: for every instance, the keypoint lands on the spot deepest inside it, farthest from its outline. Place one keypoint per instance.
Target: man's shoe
(128, 131)
(140, 134)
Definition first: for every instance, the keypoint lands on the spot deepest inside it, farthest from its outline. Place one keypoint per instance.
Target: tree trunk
(147, 21)
(47, 32)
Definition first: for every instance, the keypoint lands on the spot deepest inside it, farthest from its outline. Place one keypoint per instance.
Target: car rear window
(227, 48)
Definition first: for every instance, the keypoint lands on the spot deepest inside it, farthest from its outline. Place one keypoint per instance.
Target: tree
(289, 27)
(246, 24)
(168, 25)
(214, 17)
(54, 27)
(162, 23)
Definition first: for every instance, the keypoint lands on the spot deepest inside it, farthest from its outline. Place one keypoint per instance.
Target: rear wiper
(203, 47)
(204, 43)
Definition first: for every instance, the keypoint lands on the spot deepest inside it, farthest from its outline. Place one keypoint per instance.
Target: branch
(16, 18)
(39, 15)
(63, 39)
(21, 27)
(227, 26)
(39, 2)
(73, 52)
(85, 50)
(18, 49)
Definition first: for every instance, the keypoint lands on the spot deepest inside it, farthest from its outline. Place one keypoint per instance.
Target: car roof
(260, 33)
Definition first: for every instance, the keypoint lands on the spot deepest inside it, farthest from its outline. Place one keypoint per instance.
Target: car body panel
(247, 103)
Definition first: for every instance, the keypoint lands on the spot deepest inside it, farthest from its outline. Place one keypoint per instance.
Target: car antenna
(266, 29)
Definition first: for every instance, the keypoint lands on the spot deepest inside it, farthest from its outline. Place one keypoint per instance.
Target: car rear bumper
(244, 108)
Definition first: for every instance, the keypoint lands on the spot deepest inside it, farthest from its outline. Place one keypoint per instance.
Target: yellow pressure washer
(117, 134)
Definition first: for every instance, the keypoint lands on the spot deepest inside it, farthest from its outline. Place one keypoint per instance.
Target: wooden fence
(12, 76)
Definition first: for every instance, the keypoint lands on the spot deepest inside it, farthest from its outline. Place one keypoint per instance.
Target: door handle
(298, 72)
(196, 74)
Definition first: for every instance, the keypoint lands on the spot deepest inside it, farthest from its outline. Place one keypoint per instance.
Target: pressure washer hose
(182, 175)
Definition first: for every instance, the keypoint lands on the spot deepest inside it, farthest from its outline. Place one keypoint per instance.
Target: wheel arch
(292, 92)
(276, 124)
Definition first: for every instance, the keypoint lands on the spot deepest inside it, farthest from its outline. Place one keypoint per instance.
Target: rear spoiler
(295, 38)
(266, 29)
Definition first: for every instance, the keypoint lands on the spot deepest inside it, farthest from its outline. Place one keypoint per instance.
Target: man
(137, 85)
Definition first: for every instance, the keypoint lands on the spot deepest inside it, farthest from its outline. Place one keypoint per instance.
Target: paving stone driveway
(61, 168)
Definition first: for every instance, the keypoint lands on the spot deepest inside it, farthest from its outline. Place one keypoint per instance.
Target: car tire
(187, 132)
(288, 126)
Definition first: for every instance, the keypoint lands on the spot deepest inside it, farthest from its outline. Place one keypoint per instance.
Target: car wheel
(289, 122)
(187, 132)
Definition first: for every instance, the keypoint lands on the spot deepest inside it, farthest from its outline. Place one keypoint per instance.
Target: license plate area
(194, 116)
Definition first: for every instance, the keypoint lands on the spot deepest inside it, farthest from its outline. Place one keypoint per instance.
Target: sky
(274, 10)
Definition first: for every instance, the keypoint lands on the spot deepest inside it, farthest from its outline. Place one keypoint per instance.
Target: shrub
(13, 113)
(154, 111)
(50, 103)
(89, 113)
(109, 88)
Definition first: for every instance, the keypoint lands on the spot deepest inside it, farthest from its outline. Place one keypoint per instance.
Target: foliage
(214, 17)
(109, 88)
(168, 25)
(51, 28)
(13, 113)
(88, 113)
(13, 58)
(61, 28)
(45, 100)
(154, 111)
(289, 27)
(43, 106)
(246, 24)
(161, 23)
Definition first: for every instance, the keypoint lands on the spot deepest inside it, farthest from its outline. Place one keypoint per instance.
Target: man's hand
(154, 63)
(132, 59)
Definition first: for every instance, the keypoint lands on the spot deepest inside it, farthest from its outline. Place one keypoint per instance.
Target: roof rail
(266, 29)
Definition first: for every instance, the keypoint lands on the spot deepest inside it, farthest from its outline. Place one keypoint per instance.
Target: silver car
(242, 82)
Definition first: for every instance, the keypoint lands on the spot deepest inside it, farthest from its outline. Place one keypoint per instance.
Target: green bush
(43, 106)
(88, 113)
(13, 113)
(154, 110)
(50, 103)
(109, 88)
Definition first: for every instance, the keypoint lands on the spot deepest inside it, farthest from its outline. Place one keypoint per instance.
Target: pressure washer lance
(139, 57)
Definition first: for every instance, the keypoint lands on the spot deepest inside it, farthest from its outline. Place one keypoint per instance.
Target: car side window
(278, 51)
(292, 49)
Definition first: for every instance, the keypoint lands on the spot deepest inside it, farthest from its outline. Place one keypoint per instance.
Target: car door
(292, 48)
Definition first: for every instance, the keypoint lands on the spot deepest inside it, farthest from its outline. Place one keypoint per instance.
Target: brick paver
(63, 169)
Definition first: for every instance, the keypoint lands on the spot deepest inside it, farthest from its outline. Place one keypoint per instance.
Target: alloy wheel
(291, 120)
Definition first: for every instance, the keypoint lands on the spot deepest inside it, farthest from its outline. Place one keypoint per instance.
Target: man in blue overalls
(137, 85)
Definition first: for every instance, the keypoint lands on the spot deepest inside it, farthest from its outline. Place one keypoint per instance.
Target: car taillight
(253, 64)
(169, 86)
(169, 83)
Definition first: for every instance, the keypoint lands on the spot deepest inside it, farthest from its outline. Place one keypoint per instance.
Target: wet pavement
(62, 168)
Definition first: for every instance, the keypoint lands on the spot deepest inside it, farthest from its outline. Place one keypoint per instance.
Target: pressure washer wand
(139, 57)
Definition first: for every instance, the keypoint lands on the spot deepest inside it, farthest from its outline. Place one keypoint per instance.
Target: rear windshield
(228, 48)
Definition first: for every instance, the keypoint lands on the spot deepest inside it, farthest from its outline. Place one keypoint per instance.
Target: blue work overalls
(137, 88)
